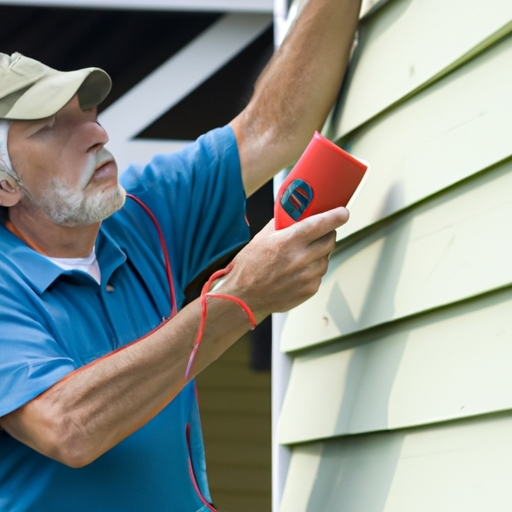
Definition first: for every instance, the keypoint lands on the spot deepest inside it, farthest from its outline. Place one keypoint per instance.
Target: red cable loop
(205, 293)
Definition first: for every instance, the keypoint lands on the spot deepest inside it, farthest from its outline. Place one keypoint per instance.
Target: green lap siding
(399, 397)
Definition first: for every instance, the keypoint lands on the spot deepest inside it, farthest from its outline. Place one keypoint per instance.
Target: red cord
(205, 293)
(174, 306)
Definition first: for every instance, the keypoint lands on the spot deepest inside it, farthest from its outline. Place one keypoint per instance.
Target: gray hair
(5, 160)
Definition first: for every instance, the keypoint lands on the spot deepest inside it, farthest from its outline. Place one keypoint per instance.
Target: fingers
(280, 269)
(323, 246)
(309, 279)
(318, 267)
(313, 227)
(316, 226)
(315, 234)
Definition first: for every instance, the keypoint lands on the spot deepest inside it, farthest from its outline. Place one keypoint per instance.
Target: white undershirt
(88, 264)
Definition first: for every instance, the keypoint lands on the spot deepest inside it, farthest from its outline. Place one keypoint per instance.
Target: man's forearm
(99, 405)
(95, 407)
(297, 89)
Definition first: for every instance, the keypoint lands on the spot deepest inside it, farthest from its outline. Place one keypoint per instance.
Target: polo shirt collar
(41, 272)
(109, 254)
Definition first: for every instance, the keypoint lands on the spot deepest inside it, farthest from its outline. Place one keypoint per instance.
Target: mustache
(98, 159)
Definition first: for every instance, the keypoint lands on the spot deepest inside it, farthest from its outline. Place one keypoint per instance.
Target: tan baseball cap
(32, 90)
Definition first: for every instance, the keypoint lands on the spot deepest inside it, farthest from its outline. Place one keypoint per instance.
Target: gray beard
(71, 208)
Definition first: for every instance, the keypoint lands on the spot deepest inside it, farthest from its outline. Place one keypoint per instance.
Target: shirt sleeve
(31, 360)
(198, 198)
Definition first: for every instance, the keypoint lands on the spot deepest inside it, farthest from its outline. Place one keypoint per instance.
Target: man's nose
(98, 137)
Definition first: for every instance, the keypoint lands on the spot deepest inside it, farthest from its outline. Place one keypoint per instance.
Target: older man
(90, 420)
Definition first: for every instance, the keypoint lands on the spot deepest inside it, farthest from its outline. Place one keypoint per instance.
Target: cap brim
(49, 94)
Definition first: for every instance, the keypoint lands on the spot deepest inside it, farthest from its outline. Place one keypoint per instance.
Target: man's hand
(87, 413)
(280, 269)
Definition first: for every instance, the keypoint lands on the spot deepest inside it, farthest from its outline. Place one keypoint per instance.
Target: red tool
(324, 177)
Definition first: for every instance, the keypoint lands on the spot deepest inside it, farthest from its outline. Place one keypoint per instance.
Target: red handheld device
(324, 177)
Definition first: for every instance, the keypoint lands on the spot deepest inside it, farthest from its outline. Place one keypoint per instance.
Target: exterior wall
(235, 413)
(399, 396)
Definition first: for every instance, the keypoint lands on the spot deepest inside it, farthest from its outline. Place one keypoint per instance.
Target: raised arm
(295, 92)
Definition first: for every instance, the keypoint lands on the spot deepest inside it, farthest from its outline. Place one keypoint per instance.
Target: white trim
(173, 81)
(167, 5)
(280, 18)
(281, 362)
(141, 151)
(281, 370)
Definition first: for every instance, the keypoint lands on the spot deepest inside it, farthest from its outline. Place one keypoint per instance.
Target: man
(95, 410)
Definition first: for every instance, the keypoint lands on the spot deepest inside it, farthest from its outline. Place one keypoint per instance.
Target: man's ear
(10, 190)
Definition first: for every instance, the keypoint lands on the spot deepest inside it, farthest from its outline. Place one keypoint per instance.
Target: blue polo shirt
(54, 321)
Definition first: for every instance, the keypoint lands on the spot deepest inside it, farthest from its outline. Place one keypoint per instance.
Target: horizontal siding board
(459, 467)
(239, 453)
(239, 377)
(452, 363)
(235, 412)
(236, 355)
(239, 479)
(247, 427)
(445, 250)
(436, 139)
(393, 56)
(239, 401)
(244, 501)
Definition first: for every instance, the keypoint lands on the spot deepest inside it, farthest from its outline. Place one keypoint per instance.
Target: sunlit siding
(400, 396)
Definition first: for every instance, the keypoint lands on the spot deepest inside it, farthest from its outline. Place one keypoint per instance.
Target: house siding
(399, 396)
